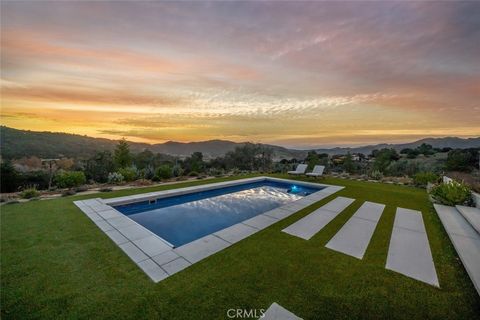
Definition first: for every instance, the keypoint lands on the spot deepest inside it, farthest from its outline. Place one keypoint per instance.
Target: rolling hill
(24, 143)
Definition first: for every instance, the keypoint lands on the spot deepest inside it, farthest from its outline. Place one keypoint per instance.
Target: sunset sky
(296, 74)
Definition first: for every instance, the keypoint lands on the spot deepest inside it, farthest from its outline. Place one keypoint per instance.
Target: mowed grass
(57, 264)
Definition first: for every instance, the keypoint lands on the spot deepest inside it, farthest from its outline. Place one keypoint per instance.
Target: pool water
(182, 219)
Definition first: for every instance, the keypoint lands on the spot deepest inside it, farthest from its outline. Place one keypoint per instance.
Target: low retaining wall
(476, 199)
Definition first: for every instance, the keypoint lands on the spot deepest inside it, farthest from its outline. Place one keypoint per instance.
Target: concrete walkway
(465, 240)
(409, 252)
(354, 237)
(309, 225)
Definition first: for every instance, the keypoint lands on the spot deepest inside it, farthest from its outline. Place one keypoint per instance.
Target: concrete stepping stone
(409, 252)
(277, 312)
(309, 225)
(354, 237)
(472, 215)
(465, 240)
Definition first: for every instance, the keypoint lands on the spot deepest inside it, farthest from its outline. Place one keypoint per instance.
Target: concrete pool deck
(158, 258)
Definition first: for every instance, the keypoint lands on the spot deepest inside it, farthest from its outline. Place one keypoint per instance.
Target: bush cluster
(115, 178)
(452, 194)
(29, 193)
(69, 179)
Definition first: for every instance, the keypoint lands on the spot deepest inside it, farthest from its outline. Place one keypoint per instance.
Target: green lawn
(57, 264)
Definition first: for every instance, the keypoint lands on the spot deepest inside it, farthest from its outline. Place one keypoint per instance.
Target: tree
(144, 159)
(348, 164)
(249, 156)
(266, 158)
(9, 177)
(312, 159)
(462, 160)
(122, 156)
(425, 149)
(194, 163)
(99, 166)
(383, 158)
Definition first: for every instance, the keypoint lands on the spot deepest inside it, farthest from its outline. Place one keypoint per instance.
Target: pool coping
(157, 257)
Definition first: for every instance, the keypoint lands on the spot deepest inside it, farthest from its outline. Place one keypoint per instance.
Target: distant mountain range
(447, 142)
(23, 143)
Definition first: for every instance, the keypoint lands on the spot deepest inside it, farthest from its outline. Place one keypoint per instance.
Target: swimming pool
(199, 220)
(184, 218)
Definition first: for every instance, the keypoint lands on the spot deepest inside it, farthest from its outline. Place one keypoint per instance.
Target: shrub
(216, 172)
(177, 171)
(115, 178)
(423, 178)
(29, 193)
(38, 178)
(193, 174)
(452, 194)
(462, 160)
(105, 189)
(129, 174)
(69, 179)
(376, 175)
(164, 172)
(148, 172)
(10, 177)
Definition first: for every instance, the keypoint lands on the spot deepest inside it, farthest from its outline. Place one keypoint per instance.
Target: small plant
(69, 179)
(115, 178)
(376, 175)
(421, 179)
(129, 174)
(29, 193)
(105, 189)
(452, 194)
